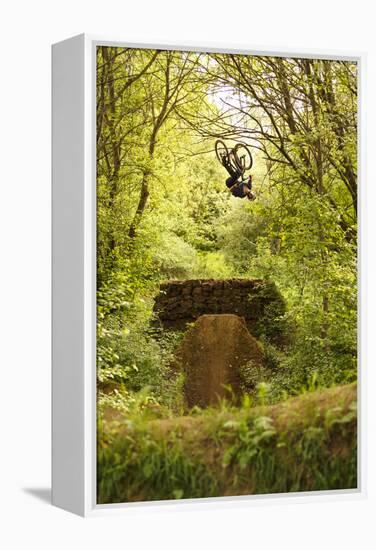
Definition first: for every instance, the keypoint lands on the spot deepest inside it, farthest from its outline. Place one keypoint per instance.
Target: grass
(306, 443)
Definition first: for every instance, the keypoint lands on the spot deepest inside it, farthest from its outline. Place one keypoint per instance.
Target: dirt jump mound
(211, 355)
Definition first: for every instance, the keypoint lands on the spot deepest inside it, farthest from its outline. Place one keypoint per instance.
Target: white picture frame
(74, 278)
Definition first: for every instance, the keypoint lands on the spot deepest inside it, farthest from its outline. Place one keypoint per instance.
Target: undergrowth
(303, 444)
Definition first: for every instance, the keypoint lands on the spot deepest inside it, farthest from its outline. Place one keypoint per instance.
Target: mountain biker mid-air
(235, 183)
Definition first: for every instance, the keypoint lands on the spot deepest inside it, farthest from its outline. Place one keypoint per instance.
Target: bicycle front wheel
(243, 157)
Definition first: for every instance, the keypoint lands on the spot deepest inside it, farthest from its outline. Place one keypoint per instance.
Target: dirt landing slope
(211, 355)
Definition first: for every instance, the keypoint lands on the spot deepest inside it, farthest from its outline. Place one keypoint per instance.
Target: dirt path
(211, 355)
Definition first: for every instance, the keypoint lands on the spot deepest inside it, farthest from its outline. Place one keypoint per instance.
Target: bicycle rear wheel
(221, 150)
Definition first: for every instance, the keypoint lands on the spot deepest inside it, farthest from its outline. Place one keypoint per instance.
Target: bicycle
(239, 157)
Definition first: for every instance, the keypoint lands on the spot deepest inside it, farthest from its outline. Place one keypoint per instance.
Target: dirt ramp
(211, 355)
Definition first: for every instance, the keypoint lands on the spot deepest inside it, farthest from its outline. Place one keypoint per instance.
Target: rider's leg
(231, 180)
(233, 171)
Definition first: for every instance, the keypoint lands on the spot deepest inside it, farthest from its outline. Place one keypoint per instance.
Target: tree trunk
(144, 195)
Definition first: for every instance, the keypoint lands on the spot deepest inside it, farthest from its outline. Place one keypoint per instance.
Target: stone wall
(259, 302)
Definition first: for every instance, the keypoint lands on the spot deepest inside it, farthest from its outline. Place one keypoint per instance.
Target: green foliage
(245, 451)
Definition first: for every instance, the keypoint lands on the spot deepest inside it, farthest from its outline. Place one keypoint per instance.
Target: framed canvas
(207, 285)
